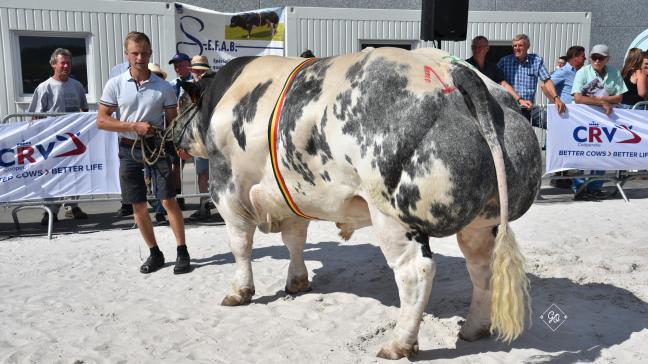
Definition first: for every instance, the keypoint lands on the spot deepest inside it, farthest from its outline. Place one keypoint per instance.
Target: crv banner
(56, 157)
(585, 138)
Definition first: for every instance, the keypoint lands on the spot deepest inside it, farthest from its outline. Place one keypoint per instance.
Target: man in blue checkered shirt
(523, 70)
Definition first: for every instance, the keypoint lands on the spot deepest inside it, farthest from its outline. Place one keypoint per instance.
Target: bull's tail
(509, 283)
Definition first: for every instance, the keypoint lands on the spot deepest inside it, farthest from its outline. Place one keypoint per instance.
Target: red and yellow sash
(273, 130)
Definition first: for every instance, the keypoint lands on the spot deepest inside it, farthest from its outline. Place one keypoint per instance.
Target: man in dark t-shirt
(479, 47)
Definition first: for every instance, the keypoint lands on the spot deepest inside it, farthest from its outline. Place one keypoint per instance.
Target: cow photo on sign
(414, 143)
(263, 23)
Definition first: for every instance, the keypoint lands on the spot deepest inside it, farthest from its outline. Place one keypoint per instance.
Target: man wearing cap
(602, 85)
(522, 70)
(181, 63)
(142, 101)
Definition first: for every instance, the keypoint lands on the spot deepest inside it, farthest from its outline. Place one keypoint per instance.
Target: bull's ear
(191, 89)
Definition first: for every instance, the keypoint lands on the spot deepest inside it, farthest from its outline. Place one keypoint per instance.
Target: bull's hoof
(298, 284)
(243, 297)
(473, 335)
(394, 351)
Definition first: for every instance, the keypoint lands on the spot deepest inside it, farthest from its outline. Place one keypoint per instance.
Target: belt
(131, 142)
(127, 141)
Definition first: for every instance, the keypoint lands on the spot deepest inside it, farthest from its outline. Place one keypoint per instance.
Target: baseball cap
(178, 57)
(601, 49)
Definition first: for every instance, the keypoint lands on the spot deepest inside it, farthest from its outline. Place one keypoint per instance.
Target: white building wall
(332, 31)
(104, 25)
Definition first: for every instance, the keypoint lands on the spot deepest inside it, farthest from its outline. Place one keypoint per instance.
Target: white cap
(601, 49)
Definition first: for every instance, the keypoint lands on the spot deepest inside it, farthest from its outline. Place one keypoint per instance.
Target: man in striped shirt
(523, 70)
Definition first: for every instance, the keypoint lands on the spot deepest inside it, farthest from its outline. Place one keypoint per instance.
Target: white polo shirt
(145, 102)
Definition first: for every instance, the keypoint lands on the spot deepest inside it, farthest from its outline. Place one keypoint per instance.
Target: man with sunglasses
(523, 70)
(601, 85)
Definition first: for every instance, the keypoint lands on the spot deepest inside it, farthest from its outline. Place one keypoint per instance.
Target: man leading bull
(142, 100)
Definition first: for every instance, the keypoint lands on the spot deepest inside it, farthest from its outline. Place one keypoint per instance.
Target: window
(497, 51)
(396, 43)
(35, 52)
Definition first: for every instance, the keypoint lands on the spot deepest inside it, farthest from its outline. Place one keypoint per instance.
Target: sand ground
(80, 297)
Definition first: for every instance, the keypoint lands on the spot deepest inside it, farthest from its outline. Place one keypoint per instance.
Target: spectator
(118, 70)
(199, 66)
(634, 77)
(480, 48)
(142, 101)
(563, 79)
(523, 70)
(60, 93)
(602, 85)
(560, 62)
(181, 64)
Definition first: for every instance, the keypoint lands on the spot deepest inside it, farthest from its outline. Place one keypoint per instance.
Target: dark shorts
(131, 176)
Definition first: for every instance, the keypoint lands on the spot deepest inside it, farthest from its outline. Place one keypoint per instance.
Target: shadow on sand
(599, 315)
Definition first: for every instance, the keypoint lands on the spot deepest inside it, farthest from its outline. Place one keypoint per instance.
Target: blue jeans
(591, 187)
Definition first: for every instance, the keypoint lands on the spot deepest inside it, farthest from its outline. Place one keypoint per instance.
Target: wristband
(555, 97)
(519, 101)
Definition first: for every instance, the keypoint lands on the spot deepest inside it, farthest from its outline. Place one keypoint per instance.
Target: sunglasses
(598, 57)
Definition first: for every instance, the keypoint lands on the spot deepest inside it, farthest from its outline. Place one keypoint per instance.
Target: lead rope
(150, 155)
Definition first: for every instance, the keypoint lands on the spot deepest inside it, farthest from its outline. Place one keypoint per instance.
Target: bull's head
(187, 127)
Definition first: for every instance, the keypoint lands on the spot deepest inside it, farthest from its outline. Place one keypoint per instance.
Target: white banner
(56, 157)
(585, 138)
(224, 36)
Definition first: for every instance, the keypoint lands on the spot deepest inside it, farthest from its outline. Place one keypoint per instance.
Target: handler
(142, 100)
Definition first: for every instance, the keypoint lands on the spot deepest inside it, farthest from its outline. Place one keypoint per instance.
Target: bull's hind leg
(293, 234)
(476, 244)
(408, 254)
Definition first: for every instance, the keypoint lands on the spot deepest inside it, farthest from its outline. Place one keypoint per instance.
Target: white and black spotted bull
(414, 143)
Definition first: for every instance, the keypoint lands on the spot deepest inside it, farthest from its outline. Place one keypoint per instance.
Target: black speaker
(444, 20)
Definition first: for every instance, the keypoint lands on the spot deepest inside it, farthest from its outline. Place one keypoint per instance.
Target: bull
(415, 143)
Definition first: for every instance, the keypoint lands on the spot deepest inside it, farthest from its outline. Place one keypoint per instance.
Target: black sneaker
(152, 263)
(160, 219)
(45, 220)
(125, 210)
(183, 265)
(200, 214)
(75, 213)
(585, 196)
(599, 194)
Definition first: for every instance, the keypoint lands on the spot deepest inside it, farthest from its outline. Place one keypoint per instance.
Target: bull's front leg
(240, 240)
(293, 234)
(408, 254)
